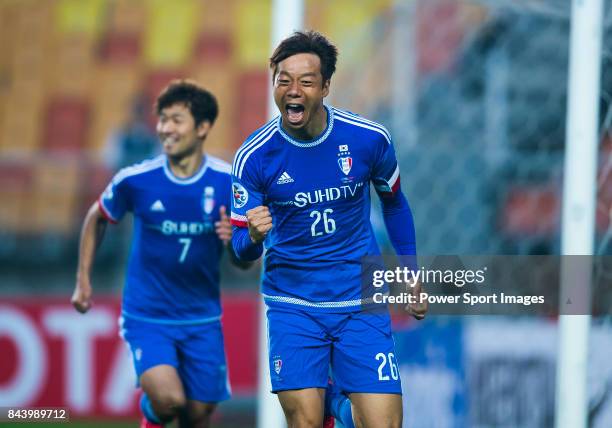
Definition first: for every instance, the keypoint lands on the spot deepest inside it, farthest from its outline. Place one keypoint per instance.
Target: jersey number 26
(329, 225)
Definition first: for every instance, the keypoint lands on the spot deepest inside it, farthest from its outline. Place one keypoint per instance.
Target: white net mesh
(474, 93)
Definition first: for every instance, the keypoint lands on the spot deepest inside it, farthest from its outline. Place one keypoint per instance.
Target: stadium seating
(253, 93)
(224, 137)
(120, 47)
(127, 16)
(71, 71)
(22, 119)
(171, 32)
(66, 126)
(212, 48)
(15, 182)
(55, 196)
(251, 35)
(111, 100)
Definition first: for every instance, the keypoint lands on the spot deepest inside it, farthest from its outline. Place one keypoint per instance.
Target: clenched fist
(259, 220)
(417, 309)
(81, 298)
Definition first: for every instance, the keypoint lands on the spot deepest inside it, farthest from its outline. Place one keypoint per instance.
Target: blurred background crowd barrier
(473, 93)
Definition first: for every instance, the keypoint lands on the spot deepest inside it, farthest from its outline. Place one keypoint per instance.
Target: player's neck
(186, 166)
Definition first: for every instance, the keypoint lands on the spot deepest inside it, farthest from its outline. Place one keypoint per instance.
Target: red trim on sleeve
(396, 185)
(238, 223)
(105, 213)
(394, 189)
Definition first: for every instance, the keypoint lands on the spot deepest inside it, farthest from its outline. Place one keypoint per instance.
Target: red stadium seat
(122, 48)
(213, 48)
(252, 102)
(66, 125)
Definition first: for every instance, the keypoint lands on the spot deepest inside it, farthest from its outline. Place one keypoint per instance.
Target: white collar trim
(302, 143)
(189, 180)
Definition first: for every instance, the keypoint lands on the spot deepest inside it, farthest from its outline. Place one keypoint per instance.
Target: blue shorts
(358, 346)
(196, 351)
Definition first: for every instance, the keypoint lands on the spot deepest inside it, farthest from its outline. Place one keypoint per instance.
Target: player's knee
(167, 404)
(299, 419)
(389, 420)
(200, 415)
(396, 421)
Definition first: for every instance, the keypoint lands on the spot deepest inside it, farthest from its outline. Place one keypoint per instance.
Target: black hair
(307, 42)
(201, 103)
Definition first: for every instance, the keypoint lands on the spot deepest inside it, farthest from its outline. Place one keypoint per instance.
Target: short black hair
(307, 42)
(200, 102)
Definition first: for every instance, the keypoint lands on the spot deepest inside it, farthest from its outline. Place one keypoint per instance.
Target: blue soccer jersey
(173, 269)
(318, 193)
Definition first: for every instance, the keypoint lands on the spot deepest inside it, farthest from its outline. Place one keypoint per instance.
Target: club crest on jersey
(278, 365)
(345, 164)
(241, 196)
(208, 202)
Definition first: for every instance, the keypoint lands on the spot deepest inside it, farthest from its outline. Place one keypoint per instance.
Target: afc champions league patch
(278, 365)
(208, 201)
(345, 164)
(241, 196)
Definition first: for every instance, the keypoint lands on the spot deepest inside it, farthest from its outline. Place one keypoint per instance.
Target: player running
(301, 185)
(171, 310)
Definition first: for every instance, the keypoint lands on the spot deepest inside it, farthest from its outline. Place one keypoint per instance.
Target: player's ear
(203, 128)
(326, 88)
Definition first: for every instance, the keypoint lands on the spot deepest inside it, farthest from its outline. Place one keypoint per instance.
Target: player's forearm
(244, 248)
(92, 234)
(236, 261)
(399, 223)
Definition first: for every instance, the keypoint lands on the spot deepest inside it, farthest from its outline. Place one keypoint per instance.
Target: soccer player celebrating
(171, 310)
(301, 186)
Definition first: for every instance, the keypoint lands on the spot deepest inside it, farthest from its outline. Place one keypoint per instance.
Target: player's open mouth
(295, 113)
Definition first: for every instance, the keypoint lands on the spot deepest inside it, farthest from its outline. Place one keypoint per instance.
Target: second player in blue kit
(301, 187)
(171, 300)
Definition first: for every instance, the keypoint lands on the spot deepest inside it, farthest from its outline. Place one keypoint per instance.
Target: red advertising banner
(52, 356)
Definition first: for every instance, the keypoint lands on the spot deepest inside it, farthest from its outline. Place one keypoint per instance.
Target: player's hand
(418, 309)
(259, 220)
(81, 298)
(223, 227)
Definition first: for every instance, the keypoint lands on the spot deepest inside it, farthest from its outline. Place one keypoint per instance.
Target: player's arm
(249, 235)
(397, 215)
(92, 234)
(110, 207)
(399, 223)
(237, 261)
(251, 219)
(224, 231)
